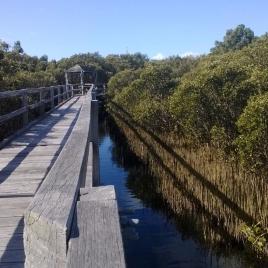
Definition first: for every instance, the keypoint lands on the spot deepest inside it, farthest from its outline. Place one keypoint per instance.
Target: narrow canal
(153, 235)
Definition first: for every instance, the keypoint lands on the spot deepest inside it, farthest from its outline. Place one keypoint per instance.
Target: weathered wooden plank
(23, 191)
(29, 151)
(16, 160)
(39, 143)
(106, 192)
(6, 231)
(15, 202)
(11, 221)
(49, 216)
(96, 240)
(42, 136)
(11, 212)
(24, 166)
(22, 170)
(18, 176)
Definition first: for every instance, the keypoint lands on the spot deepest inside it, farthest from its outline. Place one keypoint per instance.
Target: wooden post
(42, 104)
(58, 89)
(26, 113)
(93, 94)
(51, 97)
(82, 81)
(66, 92)
(66, 78)
(67, 85)
(72, 90)
(63, 93)
(96, 77)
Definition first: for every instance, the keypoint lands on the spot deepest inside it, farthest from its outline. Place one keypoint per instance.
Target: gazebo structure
(77, 69)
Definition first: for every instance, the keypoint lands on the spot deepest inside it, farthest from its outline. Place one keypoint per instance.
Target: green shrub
(252, 141)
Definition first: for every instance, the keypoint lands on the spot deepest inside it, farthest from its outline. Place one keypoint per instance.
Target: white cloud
(158, 56)
(189, 53)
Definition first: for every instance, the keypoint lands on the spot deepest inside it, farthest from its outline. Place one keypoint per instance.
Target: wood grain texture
(48, 219)
(63, 149)
(106, 192)
(22, 170)
(96, 240)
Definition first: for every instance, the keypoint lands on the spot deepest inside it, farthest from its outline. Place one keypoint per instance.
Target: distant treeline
(19, 70)
(220, 99)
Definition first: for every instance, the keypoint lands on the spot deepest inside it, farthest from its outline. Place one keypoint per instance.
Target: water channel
(153, 234)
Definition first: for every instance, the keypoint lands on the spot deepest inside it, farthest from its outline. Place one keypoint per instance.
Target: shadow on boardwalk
(13, 254)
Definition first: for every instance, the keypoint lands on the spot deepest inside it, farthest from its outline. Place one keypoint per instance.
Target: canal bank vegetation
(217, 212)
(220, 99)
(206, 119)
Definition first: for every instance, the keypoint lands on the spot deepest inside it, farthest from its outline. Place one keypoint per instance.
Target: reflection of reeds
(195, 179)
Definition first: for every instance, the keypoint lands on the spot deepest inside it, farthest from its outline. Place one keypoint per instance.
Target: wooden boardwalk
(24, 164)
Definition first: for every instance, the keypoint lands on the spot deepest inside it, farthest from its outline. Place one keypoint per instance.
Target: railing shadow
(238, 211)
(19, 158)
(13, 165)
(15, 245)
(189, 195)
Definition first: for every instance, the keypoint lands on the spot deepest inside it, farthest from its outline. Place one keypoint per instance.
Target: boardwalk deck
(24, 164)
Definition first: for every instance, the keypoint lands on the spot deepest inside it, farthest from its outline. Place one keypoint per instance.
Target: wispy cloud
(188, 54)
(158, 56)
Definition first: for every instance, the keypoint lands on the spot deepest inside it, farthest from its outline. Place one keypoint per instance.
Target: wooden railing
(34, 98)
(48, 219)
(82, 89)
(52, 222)
(59, 223)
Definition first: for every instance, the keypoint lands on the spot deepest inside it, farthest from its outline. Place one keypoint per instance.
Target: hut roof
(75, 69)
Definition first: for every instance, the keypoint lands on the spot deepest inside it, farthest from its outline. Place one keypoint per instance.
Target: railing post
(67, 92)
(93, 94)
(64, 92)
(26, 113)
(58, 88)
(51, 98)
(42, 104)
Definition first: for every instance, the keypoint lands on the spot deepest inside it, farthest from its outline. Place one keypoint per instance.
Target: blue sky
(60, 28)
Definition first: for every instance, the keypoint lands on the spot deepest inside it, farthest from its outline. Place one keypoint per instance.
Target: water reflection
(164, 223)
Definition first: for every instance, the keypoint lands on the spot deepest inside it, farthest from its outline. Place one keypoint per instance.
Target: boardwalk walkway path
(24, 163)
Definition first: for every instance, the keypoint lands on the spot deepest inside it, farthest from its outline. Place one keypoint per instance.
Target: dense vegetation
(19, 70)
(220, 99)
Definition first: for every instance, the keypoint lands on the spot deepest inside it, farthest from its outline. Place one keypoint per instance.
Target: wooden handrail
(49, 217)
(25, 94)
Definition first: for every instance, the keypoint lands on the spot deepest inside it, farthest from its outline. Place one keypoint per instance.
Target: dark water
(153, 235)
